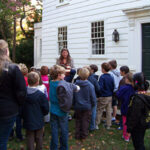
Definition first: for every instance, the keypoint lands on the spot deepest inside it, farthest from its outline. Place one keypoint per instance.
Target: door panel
(146, 50)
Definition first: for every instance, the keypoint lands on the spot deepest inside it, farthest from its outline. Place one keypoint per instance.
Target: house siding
(77, 16)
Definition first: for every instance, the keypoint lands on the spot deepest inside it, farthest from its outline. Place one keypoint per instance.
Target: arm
(44, 104)
(20, 85)
(72, 63)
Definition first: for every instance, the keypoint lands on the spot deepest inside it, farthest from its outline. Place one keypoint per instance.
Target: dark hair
(140, 82)
(94, 67)
(113, 64)
(105, 66)
(68, 57)
(124, 69)
(44, 70)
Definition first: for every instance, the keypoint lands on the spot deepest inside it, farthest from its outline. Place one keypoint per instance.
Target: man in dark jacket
(35, 108)
(12, 93)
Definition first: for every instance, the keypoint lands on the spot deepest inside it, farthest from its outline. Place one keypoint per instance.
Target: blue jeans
(18, 128)
(5, 129)
(93, 118)
(59, 123)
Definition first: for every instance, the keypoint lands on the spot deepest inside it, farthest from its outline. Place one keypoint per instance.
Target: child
(124, 94)
(94, 82)
(84, 100)
(94, 69)
(44, 77)
(116, 75)
(34, 109)
(23, 68)
(123, 71)
(106, 84)
(59, 118)
(137, 110)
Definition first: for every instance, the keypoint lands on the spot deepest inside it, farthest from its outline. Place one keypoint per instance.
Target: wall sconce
(115, 36)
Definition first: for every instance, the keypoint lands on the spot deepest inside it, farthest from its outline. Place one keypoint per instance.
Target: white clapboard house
(86, 28)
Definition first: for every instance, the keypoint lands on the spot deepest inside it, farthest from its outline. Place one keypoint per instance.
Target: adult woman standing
(66, 61)
(12, 93)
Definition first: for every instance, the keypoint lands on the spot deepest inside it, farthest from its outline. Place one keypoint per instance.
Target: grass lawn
(101, 139)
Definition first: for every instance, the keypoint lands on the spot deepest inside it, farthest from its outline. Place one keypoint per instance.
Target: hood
(116, 72)
(82, 82)
(31, 98)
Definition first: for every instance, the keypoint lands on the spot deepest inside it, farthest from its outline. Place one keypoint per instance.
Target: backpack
(147, 110)
(65, 95)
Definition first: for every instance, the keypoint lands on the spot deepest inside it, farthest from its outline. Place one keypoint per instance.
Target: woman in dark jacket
(12, 93)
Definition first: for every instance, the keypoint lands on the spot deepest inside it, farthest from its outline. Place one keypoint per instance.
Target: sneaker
(113, 119)
(108, 128)
(96, 127)
(69, 117)
(127, 140)
(119, 128)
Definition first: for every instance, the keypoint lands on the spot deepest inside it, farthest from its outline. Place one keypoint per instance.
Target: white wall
(77, 15)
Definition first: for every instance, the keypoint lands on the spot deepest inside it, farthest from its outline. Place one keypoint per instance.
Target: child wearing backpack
(60, 103)
(138, 119)
(34, 109)
(124, 94)
(84, 100)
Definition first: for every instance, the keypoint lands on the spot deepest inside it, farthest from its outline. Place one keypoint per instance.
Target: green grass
(101, 139)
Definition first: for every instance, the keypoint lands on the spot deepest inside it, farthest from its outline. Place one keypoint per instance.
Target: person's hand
(128, 134)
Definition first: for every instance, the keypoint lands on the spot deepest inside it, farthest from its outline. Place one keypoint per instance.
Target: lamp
(115, 36)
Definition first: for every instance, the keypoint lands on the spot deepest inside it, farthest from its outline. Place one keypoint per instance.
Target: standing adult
(66, 61)
(12, 93)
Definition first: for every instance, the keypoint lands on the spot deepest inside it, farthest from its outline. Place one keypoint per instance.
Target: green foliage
(24, 52)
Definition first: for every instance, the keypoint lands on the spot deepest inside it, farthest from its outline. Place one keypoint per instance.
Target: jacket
(45, 81)
(12, 90)
(65, 93)
(85, 99)
(124, 94)
(54, 102)
(35, 108)
(136, 114)
(93, 80)
(106, 83)
(116, 75)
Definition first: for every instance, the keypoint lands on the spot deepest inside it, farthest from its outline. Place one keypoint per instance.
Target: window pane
(97, 37)
(62, 38)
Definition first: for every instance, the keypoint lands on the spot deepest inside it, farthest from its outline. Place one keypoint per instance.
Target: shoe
(119, 128)
(96, 127)
(127, 140)
(113, 119)
(69, 117)
(108, 128)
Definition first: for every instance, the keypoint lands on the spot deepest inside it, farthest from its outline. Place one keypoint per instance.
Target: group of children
(89, 96)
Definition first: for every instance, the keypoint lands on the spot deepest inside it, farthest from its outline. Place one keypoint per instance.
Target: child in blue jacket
(84, 100)
(124, 94)
(35, 108)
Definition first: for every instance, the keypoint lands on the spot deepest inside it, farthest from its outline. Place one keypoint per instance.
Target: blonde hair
(23, 68)
(55, 71)
(84, 73)
(33, 78)
(3, 54)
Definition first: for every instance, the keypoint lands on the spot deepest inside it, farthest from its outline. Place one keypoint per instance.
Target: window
(62, 38)
(61, 1)
(97, 38)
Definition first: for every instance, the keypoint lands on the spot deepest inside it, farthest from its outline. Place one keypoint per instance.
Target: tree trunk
(14, 42)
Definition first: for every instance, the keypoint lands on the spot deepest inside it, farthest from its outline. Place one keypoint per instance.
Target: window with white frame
(62, 38)
(97, 38)
(61, 1)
